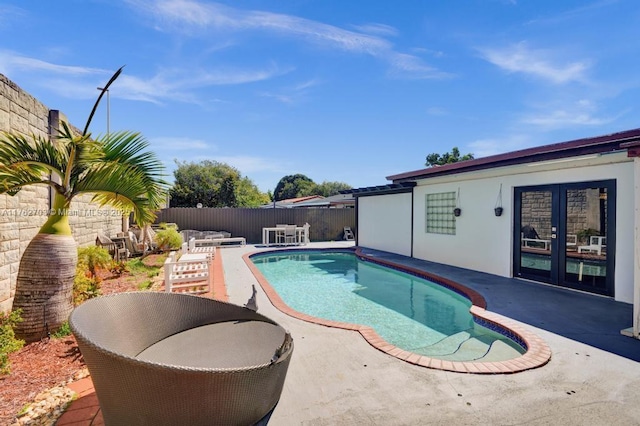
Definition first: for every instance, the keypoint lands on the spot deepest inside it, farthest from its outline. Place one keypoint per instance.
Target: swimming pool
(408, 312)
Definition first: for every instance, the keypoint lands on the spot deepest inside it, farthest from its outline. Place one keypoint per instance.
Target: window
(439, 213)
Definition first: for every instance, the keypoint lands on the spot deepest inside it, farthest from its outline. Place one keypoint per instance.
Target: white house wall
(384, 223)
(484, 242)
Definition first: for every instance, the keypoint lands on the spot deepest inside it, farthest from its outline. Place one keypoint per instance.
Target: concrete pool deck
(336, 377)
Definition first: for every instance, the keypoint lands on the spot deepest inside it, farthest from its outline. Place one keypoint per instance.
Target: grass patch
(138, 267)
(144, 267)
(63, 331)
(145, 285)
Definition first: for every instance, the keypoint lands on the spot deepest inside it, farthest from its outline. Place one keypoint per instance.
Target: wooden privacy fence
(326, 224)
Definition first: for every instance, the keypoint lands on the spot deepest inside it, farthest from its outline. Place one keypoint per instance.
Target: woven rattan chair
(175, 359)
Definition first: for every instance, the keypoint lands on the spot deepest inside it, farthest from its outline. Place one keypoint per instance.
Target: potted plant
(498, 207)
(457, 211)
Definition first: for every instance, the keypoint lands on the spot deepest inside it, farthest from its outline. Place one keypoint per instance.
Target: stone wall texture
(585, 210)
(23, 214)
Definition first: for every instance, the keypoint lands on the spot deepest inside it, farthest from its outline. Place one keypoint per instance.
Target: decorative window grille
(439, 213)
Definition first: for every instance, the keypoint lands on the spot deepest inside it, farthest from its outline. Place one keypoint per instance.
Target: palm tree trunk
(44, 287)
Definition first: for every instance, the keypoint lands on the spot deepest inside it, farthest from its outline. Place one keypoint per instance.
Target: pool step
(500, 351)
(446, 346)
(463, 346)
(470, 350)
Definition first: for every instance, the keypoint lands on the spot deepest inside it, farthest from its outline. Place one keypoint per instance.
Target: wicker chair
(169, 359)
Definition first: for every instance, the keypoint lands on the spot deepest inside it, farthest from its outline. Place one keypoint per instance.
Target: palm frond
(25, 161)
(102, 92)
(124, 186)
(80, 152)
(131, 148)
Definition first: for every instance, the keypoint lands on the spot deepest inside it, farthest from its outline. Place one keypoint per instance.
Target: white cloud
(10, 15)
(519, 58)
(492, 146)
(580, 113)
(175, 84)
(187, 16)
(181, 84)
(563, 118)
(583, 10)
(411, 66)
(377, 29)
(293, 94)
(11, 62)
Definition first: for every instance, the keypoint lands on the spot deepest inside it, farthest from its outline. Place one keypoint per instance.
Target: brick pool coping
(537, 354)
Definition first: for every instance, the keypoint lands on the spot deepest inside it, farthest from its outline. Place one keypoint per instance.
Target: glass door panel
(536, 232)
(585, 265)
(565, 235)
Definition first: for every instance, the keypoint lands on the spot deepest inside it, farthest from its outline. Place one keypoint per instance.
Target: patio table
(301, 235)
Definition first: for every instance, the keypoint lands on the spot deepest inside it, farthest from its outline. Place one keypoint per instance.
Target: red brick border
(537, 354)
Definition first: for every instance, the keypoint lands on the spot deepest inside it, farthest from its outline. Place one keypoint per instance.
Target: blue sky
(349, 91)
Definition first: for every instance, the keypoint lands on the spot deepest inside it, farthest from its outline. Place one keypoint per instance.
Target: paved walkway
(336, 377)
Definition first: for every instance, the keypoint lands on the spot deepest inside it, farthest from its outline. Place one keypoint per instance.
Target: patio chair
(290, 235)
(172, 359)
(135, 247)
(279, 234)
(348, 234)
(116, 250)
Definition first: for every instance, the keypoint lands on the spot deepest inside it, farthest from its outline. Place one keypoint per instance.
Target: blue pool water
(407, 311)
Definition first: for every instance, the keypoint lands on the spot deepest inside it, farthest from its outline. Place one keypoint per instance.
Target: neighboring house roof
(628, 140)
(301, 199)
(290, 202)
(342, 199)
(391, 188)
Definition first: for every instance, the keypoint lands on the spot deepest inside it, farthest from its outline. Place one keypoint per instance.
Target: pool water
(596, 268)
(409, 312)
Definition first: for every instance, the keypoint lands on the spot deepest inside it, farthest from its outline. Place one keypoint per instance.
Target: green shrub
(63, 331)
(94, 258)
(8, 341)
(168, 238)
(84, 286)
(164, 225)
(583, 235)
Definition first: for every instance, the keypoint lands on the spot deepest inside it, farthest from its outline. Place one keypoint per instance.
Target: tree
(248, 194)
(327, 189)
(213, 184)
(294, 186)
(116, 168)
(436, 159)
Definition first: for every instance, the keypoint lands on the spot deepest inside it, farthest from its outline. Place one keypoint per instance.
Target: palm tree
(116, 169)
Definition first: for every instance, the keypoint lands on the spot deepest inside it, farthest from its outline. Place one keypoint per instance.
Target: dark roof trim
(392, 188)
(596, 145)
(633, 148)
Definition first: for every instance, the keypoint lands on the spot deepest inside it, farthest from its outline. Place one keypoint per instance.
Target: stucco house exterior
(565, 214)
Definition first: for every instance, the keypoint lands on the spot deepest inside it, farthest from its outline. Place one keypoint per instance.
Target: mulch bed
(41, 365)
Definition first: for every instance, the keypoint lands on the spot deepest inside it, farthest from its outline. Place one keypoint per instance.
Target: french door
(565, 235)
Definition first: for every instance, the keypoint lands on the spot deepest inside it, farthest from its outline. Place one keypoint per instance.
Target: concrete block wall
(22, 215)
(583, 211)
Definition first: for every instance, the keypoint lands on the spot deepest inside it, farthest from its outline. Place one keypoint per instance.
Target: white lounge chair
(597, 244)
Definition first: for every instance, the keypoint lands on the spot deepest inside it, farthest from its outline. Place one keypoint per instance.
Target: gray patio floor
(337, 378)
